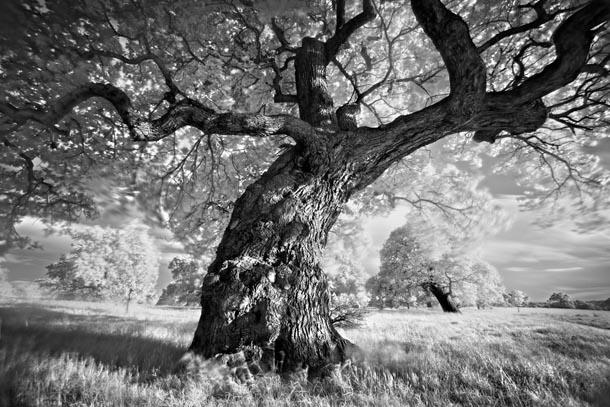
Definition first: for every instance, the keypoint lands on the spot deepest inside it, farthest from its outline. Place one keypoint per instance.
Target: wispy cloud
(517, 269)
(559, 269)
(525, 250)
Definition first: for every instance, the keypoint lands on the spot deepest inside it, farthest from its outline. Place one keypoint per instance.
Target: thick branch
(522, 110)
(59, 108)
(340, 12)
(517, 111)
(190, 113)
(450, 35)
(343, 31)
(184, 113)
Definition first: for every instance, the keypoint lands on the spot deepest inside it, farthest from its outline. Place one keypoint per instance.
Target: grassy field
(84, 354)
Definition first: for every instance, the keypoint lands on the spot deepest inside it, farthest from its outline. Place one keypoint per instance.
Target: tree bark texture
(265, 291)
(315, 103)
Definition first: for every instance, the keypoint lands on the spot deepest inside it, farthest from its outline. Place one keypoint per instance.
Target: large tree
(106, 94)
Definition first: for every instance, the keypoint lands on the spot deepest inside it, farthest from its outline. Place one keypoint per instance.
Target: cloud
(602, 149)
(508, 251)
(517, 269)
(594, 293)
(563, 269)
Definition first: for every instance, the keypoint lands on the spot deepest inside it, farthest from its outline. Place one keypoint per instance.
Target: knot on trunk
(347, 116)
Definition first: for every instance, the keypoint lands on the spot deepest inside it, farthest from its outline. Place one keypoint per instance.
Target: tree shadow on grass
(109, 340)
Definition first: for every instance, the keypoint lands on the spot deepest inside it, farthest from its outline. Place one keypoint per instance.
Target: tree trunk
(315, 103)
(443, 297)
(265, 293)
(128, 300)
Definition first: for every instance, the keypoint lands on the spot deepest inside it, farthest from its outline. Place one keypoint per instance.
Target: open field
(86, 354)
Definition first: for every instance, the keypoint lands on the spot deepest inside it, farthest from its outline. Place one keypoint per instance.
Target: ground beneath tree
(75, 353)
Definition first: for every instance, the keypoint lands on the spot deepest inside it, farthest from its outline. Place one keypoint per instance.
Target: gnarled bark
(265, 291)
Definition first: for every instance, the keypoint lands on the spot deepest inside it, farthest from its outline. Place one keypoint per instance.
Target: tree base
(251, 361)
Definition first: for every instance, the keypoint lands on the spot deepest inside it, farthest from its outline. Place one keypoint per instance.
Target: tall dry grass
(80, 354)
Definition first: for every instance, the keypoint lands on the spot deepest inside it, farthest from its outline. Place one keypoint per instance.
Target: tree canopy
(111, 93)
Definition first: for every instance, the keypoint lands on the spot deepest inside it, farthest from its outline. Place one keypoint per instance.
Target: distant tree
(344, 282)
(387, 291)
(6, 289)
(185, 288)
(375, 291)
(108, 264)
(348, 299)
(419, 256)
(516, 298)
(578, 304)
(560, 300)
(441, 279)
(489, 287)
(346, 310)
(64, 278)
(346, 276)
(403, 260)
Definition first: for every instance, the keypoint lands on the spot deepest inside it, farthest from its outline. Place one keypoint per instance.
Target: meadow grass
(89, 354)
